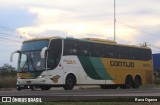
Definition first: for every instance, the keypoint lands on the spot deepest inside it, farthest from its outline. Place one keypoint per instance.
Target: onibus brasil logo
(20, 99)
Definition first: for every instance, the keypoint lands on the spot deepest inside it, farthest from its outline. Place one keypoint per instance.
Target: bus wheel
(45, 87)
(136, 82)
(70, 82)
(18, 88)
(33, 87)
(128, 83)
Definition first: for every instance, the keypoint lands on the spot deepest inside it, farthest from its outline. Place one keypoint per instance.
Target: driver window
(23, 62)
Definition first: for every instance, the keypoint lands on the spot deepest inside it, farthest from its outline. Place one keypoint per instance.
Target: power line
(147, 33)
(154, 47)
(10, 39)
(11, 29)
(7, 28)
(9, 35)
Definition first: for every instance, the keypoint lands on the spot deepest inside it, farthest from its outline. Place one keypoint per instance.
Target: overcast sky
(137, 21)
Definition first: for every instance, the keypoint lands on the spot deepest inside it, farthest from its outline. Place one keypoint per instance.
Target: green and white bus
(66, 62)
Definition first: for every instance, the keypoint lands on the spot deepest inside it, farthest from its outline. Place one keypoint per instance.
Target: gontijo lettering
(121, 64)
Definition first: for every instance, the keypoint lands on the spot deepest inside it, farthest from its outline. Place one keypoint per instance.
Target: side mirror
(11, 56)
(43, 52)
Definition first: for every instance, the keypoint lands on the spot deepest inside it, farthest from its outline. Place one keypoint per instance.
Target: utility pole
(114, 20)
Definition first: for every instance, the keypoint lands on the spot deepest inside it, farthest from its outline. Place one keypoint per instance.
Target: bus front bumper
(21, 82)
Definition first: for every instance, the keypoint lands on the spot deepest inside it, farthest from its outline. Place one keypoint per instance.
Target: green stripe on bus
(99, 67)
(89, 68)
(94, 68)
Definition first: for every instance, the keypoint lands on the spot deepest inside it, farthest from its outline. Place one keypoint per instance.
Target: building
(156, 63)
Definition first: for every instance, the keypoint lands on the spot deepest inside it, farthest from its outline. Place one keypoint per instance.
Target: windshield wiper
(32, 63)
(24, 65)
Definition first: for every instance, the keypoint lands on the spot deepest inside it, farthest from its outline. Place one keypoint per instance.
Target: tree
(7, 70)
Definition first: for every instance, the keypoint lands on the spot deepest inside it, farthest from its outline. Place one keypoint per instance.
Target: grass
(156, 81)
(7, 82)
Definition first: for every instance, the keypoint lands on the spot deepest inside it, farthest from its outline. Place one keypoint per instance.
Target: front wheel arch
(70, 81)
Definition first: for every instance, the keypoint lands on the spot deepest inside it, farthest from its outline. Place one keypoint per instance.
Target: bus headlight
(41, 76)
(18, 77)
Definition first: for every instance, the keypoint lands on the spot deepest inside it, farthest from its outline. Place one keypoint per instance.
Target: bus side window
(84, 48)
(123, 52)
(70, 47)
(110, 51)
(147, 54)
(131, 53)
(134, 53)
(100, 50)
(120, 51)
(94, 50)
(140, 54)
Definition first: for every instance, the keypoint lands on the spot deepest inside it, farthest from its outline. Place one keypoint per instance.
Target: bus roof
(105, 41)
(94, 40)
(43, 38)
(100, 40)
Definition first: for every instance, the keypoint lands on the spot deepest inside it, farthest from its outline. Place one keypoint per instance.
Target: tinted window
(110, 51)
(123, 52)
(146, 54)
(34, 45)
(70, 47)
(97, 50)
(54, 53)
(84, 48)
(76, 47)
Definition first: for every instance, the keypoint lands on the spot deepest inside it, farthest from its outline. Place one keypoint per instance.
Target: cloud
(66, 21)
(81, 18)
(16, 17)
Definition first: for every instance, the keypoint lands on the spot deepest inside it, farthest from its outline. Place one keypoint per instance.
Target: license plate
(28, 82)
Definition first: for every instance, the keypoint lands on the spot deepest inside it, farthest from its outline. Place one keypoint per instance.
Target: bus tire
(45, 87)
(33, 88)
(128, 83)
(136, 82)
(19, 88)
(69, 82)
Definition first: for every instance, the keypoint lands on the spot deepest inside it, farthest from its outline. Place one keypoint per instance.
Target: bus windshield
(30, 58)
(31, 61)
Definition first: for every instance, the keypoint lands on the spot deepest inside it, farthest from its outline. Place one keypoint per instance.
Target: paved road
(85, 94)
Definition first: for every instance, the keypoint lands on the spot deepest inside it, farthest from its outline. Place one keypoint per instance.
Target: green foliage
(156, 81)
(7, 70)
(7, 76)
(8, 81)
